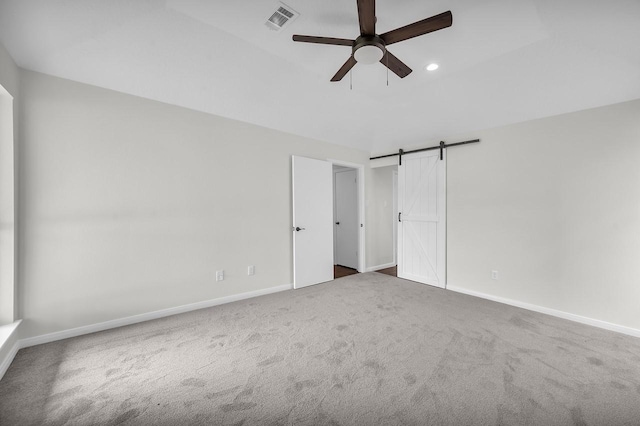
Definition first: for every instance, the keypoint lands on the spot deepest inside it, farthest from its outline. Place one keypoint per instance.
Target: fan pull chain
(387, 69)
(350, 80)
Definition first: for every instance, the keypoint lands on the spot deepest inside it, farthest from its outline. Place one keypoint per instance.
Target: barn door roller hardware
(442, 146)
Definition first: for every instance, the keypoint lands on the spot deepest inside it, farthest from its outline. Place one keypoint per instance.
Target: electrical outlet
(219, 275)
(251, 270)
(494, 275)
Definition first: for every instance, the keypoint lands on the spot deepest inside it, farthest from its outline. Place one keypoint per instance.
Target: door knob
(337, 223)
(299, 229)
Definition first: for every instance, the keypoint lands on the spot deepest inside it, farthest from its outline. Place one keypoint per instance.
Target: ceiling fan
(370, 47)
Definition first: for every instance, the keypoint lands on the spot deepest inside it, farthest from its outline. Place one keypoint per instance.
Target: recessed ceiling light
(432, 67)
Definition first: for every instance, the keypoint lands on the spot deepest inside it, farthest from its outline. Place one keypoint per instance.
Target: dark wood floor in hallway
(340, 271)
(393, 271)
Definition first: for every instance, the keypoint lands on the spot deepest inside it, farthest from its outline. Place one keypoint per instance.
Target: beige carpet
(367, 349)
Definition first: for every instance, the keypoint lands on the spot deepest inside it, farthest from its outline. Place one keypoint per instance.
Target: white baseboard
(107, 325)
(378, 267)
(6, 331)
(553, 312)
(8, 359)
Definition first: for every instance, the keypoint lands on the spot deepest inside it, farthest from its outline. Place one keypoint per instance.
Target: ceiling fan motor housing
(368, 49)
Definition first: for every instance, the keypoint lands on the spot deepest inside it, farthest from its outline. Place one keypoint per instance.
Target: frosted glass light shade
(368, 54)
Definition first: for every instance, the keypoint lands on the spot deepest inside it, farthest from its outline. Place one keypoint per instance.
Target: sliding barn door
(312, 221)
(422, 218)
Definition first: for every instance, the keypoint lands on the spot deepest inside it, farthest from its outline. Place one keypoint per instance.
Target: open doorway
(383, 215)
(346, 221)
(393, 270)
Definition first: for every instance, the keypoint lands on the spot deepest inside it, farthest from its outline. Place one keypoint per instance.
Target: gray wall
(554, 206)
(130, 205)
(9, 72)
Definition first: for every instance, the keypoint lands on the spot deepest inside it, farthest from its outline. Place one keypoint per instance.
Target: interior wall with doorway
(381, 250)
(544, 214)
(346, 218)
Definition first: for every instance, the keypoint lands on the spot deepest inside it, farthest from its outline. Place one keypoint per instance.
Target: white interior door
(422, 221)
(346, 220)
(312, 221)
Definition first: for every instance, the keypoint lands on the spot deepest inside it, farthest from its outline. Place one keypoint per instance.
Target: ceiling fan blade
(398, 67)
(419, 28)
(323, 40)
(344, 69)
(367, 17)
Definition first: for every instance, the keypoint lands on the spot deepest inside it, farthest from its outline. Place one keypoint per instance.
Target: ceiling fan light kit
(368, 50)
(370, 47)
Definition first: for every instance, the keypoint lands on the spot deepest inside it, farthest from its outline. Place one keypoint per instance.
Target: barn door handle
(297, 228)
(400, 217)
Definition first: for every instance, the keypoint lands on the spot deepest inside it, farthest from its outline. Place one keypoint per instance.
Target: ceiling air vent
(281, 17)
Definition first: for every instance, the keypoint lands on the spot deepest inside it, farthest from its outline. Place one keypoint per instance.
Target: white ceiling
(502, 61)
